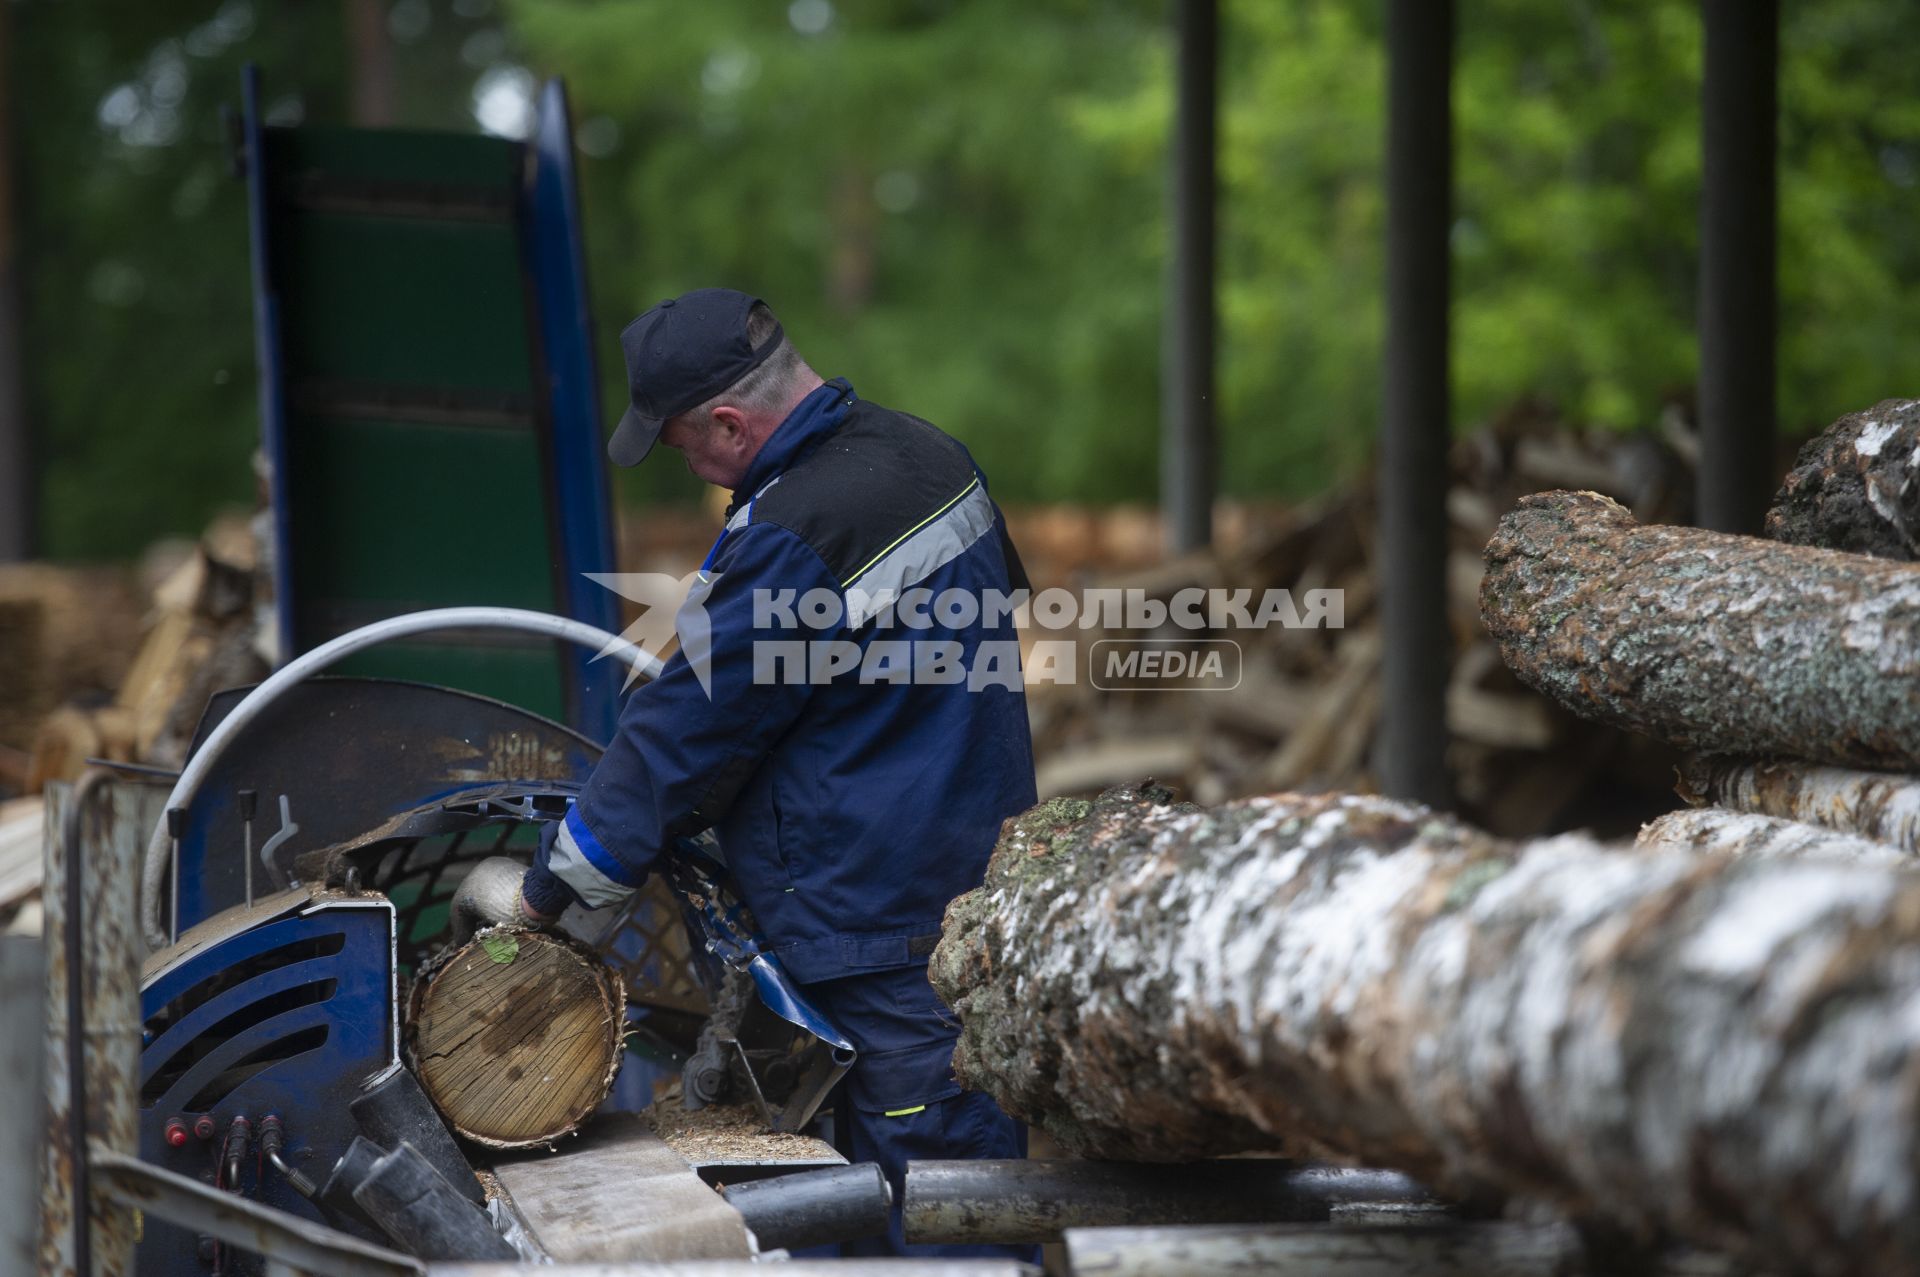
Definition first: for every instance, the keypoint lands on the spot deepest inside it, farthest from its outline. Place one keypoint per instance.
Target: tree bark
(516, 1036)
(1856, 486)
(1648, 1036)
(1876, 805)
(1721, 831)
(1719, 643)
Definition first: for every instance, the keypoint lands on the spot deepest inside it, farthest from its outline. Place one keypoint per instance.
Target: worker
(851, 807)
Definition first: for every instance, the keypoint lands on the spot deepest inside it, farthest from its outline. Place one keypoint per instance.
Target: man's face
(713, 446)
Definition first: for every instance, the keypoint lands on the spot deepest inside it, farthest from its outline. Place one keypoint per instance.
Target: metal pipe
(348, 1173)
(72, 864)
(176, 825)
(1187, 446)
(814, 1208)
(392, 1110)
(1338, 1250)
(1037, 1201)
(1738, 198)
(1415, 430)
(273, 1138)
(890, 1267)
(244, 1223)
(93, 1016)
(23, 1057)
(425, 1215)
(154, 869)
(249, 803)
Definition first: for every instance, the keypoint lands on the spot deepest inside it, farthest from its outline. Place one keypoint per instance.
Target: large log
(1723, 1046)
(1723, 831)
(1856, 486)
(516, 1036)
(1718, 643)
(1876, 805)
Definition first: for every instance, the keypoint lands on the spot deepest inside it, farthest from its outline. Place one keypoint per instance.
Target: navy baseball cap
(681, 353)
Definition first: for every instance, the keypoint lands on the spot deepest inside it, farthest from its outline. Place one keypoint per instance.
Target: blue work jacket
(854, 801)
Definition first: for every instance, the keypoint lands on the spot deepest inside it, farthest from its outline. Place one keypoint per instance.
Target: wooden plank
(619, 1193)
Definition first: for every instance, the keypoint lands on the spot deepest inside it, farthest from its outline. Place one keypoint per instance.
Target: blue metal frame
(550, 214)
(579, 497)
(350, 754)
(310, 1090)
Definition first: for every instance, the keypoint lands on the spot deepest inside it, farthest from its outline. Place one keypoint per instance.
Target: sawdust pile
(724, 1132)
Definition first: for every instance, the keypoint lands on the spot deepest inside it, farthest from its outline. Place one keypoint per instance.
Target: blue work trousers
(899, 1102)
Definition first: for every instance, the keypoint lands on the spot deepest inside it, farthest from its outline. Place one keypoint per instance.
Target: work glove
(490, 895)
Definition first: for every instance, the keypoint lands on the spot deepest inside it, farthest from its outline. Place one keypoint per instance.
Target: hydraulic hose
(153, 870)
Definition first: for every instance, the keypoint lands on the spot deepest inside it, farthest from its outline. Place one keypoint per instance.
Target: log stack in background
(96, 664)
(1306, 712)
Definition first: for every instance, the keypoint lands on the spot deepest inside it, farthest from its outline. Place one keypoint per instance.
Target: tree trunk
(1856, 486)
(1651, 1036)
(1874, 805)
(1720, 643)
(516, 1036)
(1721, 831)
(19, 491)
(371, 84)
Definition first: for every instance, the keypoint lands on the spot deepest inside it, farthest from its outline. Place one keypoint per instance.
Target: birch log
(1876, 805)
(516, 1035)
(1857, 485)
(1721, 1046)
(1723, 831)
(1720, 643)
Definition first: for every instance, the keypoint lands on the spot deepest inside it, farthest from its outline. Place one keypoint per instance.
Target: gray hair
(768, 387)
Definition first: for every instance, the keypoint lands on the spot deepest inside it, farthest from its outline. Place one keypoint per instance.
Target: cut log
(1648, 1036)
(1722, 831)
(1876, 805)
(516, 1036)
(1856, 486)
(1719, 643)
(1329, 1250)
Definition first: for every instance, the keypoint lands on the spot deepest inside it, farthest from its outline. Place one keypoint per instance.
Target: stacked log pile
(1710, 1034)
(201, 632)
(1789, 665)
(66, 634)
(1305, 713)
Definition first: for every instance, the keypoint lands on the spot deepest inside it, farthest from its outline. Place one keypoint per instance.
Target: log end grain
(516, 1036)
(1856, 486)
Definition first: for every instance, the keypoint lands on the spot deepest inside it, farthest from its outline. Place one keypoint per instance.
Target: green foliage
(960, 205)
(1016, 298)
(913, 188)
(133, 240)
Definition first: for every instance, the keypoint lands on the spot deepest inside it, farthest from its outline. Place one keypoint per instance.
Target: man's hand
(491, 895)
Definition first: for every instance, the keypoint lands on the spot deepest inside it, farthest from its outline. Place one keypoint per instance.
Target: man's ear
(732, 422)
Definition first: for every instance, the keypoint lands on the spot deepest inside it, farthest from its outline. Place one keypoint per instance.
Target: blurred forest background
(959, 204)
